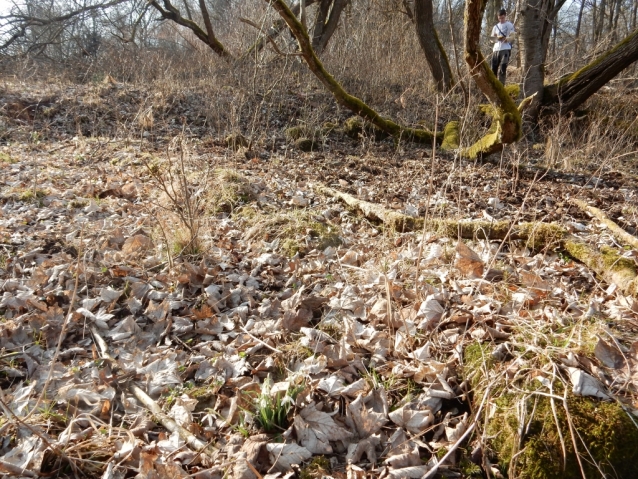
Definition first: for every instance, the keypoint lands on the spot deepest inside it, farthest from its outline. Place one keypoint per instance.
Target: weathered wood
(606, 262)
(620, 234)
(572, 90)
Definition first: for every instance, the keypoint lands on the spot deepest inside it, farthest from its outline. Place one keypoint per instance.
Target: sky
(5, 5)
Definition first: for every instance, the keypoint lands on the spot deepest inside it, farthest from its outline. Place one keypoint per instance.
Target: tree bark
(320, 22)
(170, 12)
(506, 126)
(614, 34)
(329, 23)
(572, 90)
(600, 21)
(431, 46)
(536, 18)
(354, 104)
(207, 23)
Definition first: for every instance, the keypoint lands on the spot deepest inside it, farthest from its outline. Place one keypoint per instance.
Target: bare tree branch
(170, 12)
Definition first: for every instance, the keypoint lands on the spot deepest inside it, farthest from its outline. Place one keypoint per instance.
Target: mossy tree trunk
(572, 90)
(353, 103)
(274, 31)
(507, 123)
(168, 11)
(430, 44)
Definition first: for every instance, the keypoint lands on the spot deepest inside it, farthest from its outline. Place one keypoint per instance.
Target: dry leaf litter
(293, 336)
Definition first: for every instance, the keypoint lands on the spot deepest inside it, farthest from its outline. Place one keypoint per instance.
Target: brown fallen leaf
(136, 245)
(468, 262)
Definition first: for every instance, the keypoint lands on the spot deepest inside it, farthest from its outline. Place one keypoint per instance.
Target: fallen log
(537, 235)
(606, 262)
(620, 234)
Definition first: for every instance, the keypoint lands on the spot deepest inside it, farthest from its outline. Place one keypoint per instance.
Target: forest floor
(173, 307)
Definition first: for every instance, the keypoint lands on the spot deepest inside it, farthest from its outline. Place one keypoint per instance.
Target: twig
(170, 424)
(427, 201)
(255, 471)
(260, 341)
(166, 421)
(272, 41)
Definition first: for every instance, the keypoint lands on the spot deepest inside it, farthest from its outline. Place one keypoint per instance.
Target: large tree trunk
(600, 20)
(536, 18)
(326, 23)
(432, 48)
(506, 126)
(572, 90)
(578, 25)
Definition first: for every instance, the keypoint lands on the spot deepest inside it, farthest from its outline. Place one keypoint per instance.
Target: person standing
(502, 33)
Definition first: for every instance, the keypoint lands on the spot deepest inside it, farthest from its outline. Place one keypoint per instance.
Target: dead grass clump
(235, 141)
(296, 231)
(229, 189)
(26, 195)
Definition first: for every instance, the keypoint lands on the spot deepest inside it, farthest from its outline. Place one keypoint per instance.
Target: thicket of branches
(372, 50)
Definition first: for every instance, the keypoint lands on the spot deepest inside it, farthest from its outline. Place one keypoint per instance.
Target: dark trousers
(500, 60)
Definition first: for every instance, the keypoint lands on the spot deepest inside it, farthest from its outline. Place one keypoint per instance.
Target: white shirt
(502, 30)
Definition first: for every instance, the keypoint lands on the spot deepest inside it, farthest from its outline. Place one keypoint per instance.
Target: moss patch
(353, 127)
(295, 132)
(317, 468)
(451, 136)
(614, 261)
(603, 427)
(5, 158)
(513, 90)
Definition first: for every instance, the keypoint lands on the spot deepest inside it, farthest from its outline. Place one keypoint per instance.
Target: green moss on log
(608, 263)
(488, 144)
(541, 235)
(451, 136)
(616, 262)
